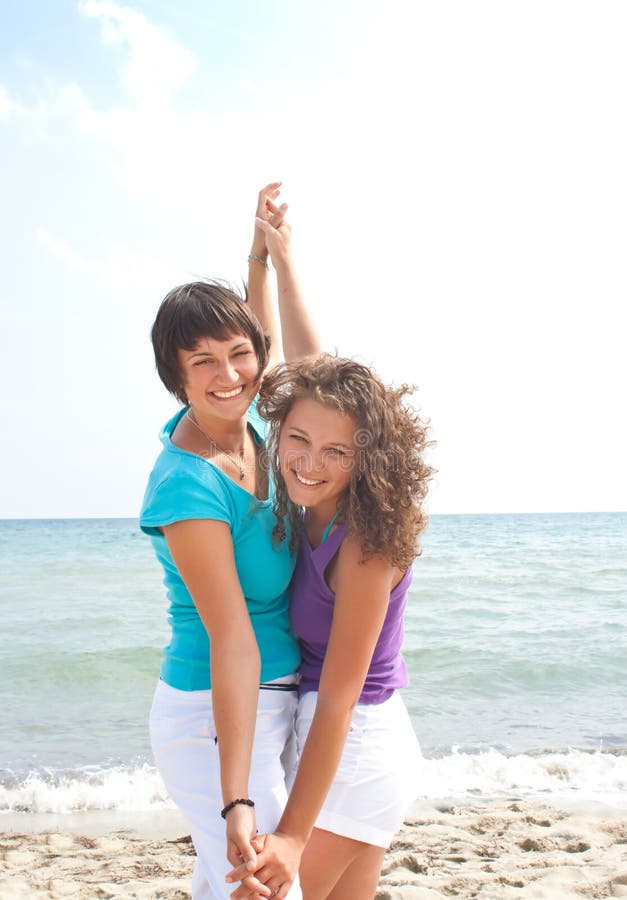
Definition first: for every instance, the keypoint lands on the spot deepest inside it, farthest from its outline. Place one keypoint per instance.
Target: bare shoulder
(376, 571)
(351, 562)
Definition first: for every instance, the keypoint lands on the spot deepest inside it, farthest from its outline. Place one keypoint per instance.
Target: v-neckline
(341, 528)
(257, 438)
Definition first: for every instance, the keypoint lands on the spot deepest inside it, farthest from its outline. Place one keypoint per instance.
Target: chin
(307, 500)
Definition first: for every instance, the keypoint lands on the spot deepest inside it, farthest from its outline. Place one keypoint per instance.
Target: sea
(516, 645)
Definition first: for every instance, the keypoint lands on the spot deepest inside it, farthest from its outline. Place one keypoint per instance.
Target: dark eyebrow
(231, 349)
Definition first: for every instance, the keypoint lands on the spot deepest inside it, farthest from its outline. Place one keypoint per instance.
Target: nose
(318, 462)
(310, 461)
(227, 373)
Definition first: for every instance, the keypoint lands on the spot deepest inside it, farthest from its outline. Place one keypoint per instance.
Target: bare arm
(203, 553)
(298, 330)
(300, 336)
(260, 294)
(362, 599)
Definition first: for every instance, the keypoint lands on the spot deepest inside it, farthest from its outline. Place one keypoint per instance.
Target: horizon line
(540, 512)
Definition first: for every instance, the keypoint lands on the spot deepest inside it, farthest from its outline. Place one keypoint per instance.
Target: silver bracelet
(259, 259)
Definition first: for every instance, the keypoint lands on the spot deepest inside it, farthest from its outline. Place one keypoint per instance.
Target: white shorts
(183, 737)
(379, 773)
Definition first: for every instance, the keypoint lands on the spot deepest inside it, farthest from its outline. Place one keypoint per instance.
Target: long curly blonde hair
(384, 504)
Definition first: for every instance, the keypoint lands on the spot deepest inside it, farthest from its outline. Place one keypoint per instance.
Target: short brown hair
(201, 309)
(384, 504)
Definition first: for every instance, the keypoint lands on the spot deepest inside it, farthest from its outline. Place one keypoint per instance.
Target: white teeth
(223, 395)
(306, 481)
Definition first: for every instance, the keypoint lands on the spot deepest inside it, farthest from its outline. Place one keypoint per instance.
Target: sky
(456, 178)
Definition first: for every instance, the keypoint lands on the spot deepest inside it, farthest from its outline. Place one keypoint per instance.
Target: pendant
(241, 474)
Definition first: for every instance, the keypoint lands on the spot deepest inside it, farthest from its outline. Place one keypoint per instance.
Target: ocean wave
(138, 789)
(591, 776)
(599, 776)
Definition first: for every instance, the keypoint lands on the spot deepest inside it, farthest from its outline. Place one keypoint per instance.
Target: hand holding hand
(250, 888)
(277, 233)
(241, 829)
(267, 212)
(277, 866)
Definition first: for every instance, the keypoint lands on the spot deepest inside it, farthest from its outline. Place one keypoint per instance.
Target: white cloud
(191, 166)
(156, 65)
(168, 158)
(8, 106)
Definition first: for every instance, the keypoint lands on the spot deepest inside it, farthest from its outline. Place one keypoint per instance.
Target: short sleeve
(185, 494)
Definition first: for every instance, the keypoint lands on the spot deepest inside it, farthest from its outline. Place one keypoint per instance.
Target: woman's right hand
(277, 234)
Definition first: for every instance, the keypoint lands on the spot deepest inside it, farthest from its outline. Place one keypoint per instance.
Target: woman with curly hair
(348, 459)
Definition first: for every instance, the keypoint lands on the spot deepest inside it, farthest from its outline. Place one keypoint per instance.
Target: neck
(228, 436)
(318, 517)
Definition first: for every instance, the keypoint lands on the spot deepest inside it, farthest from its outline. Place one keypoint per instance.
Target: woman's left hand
(250, 888)
(267, 211)
(277, 867)
(241, 829)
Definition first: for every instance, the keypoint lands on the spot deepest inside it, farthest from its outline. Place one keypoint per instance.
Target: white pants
(183, 737)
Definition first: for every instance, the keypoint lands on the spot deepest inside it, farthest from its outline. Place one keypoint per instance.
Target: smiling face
(317, 454)
(220, 378)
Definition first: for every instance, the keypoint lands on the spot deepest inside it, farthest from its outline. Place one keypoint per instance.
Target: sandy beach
(502, 849)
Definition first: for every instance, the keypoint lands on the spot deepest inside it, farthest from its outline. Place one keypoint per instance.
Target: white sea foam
(597, 777)
(591, 776)
(135, 790)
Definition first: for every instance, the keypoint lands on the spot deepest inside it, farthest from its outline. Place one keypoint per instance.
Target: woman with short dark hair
(223, 710)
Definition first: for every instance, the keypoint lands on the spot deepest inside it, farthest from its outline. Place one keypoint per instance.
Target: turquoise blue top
(185, 486)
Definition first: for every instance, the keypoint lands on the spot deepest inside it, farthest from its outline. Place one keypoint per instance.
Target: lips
(306, 482)
(227, 395)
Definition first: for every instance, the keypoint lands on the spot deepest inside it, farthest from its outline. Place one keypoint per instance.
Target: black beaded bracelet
(229, 806)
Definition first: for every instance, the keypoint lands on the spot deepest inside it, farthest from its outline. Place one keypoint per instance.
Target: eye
(243, 353)
(202, 362)
(336, 451)
(297, 437)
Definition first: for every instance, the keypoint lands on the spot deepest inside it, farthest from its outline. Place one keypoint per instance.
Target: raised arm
(297, 328)
(362, 598)
(203, 553)
(260, 294)
(299, 333)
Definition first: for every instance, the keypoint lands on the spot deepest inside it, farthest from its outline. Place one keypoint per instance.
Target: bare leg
(338, 867)
(361, 878)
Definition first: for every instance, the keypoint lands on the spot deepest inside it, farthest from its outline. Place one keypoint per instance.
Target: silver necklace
(237, 460)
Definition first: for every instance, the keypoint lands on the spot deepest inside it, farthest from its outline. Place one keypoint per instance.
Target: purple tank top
(311, 614)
